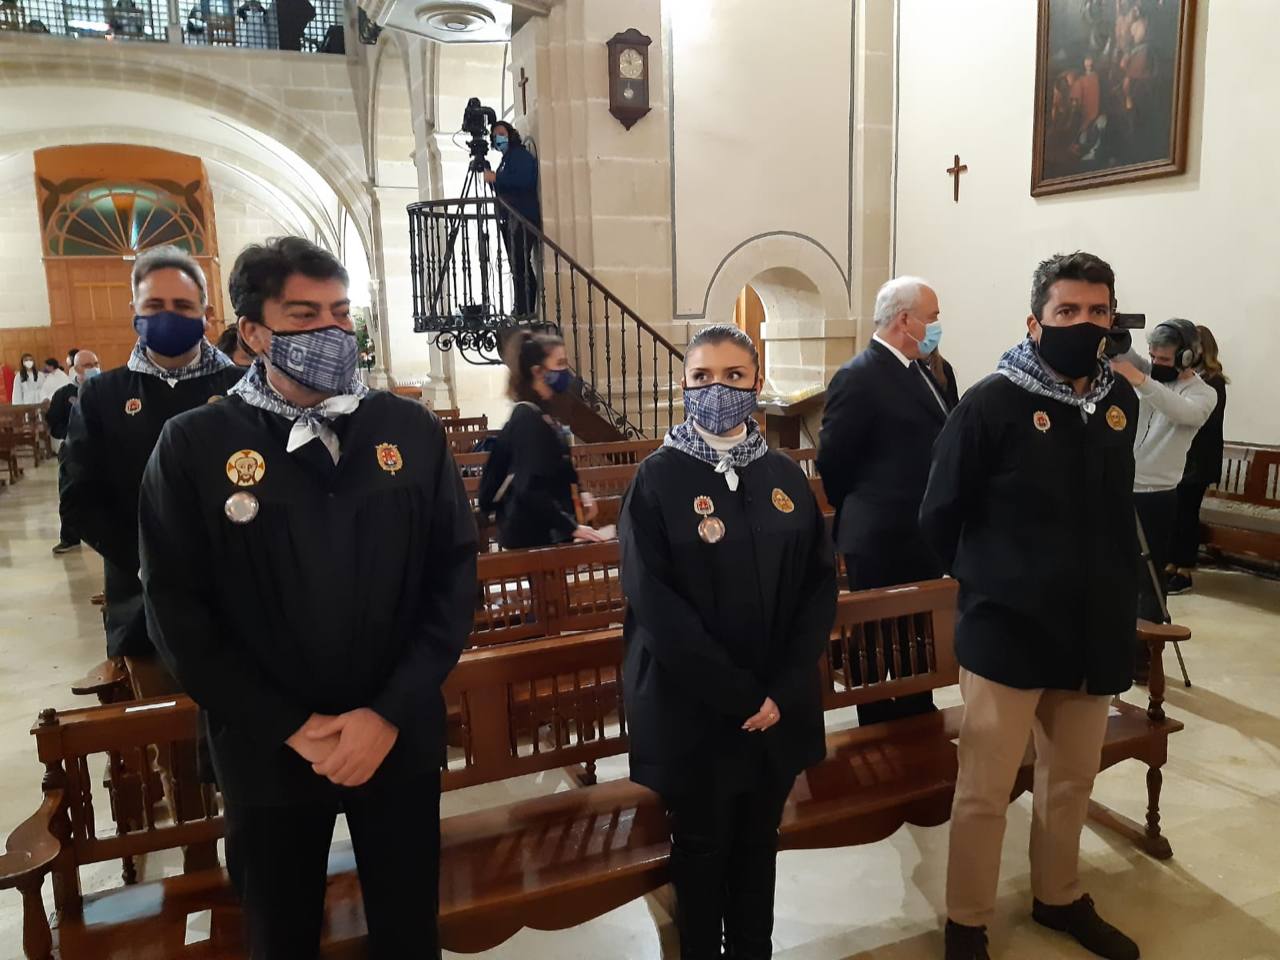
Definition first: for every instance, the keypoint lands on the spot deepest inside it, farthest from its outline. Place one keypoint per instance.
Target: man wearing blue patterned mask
(348, 552)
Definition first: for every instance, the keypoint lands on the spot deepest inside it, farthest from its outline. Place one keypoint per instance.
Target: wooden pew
(1240, 517)
(547, 863)
(613, 453)
(28, 429)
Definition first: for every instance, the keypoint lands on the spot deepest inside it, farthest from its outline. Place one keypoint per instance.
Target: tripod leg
(1181, 663)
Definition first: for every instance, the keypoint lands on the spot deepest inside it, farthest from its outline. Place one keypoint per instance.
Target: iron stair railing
(467, 295)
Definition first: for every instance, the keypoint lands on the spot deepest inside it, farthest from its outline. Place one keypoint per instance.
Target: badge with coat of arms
(389, 458)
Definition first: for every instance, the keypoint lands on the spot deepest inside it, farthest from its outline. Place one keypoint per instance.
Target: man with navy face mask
(884, 411)
(347, 556)
(114, 426)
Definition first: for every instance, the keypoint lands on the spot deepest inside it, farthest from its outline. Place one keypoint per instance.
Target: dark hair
(53, 363)
(261, 270)
(722, 333)
(513, 135)
(1069, 266)
(71, 355)
(22, 368)
(524, 351)
(1210, 363)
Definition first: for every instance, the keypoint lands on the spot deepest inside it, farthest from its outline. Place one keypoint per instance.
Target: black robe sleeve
(845, 424)
(669, 627)
(83, 489)
(811, 631)
(960, 466)
(59, 415)
(448, 599)
(212, 665)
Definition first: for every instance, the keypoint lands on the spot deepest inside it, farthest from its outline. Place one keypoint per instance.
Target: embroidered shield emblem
(133, 406)
(1041, 420)
(389, 458)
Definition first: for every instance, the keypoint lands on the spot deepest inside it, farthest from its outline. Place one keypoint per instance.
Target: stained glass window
(120, 220)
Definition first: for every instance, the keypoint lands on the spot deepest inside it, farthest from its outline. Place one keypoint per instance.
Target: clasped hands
(347, 748)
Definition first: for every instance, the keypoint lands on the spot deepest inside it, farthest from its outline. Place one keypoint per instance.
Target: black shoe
(966, 943)
(1179, 583)
(1081, 921)
(63, 547)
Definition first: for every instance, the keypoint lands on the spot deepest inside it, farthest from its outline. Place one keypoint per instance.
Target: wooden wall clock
(629, 76)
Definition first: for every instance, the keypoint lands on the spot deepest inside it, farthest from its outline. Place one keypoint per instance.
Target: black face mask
(1073, 351)
(1161, 373)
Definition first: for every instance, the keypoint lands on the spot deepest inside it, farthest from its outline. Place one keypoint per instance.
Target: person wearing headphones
(1173, 404)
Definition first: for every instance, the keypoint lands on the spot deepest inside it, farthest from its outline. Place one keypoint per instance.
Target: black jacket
(1030, 507)
(536, 509)
(1204, 457)
(112, 431)
(873, 454)
(354, 586)
(59, 413)
(714, 629)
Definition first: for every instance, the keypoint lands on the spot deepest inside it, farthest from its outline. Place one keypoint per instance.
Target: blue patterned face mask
(323, 360)
(719, 408)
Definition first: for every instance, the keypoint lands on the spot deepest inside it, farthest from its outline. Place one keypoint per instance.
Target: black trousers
(867, 573)
(522, 248)
(724, 851)
(1185, 551)
(67, 533)
(277, 857)
(1158, 513)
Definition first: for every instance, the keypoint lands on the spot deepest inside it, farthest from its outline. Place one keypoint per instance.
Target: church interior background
(794, 156)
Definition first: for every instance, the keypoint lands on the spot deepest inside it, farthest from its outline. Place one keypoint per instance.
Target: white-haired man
(115, 425)
(884, 411)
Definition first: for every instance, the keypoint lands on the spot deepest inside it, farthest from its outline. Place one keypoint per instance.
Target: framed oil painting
(1113, 81)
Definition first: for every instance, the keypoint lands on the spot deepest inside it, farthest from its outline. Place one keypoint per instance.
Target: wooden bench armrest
(107, 674)
(1150, 632)
(32, 847)
(1156, 636)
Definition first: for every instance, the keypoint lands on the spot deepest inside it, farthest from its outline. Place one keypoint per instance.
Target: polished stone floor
(1218, 899)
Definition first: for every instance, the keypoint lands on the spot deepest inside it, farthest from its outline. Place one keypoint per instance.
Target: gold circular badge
(1116, 419)
(133, 406)
(781, 501)
(246, 467)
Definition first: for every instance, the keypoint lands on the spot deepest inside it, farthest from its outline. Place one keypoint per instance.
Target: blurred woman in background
(529, 479)
(1204, 468)
(26, 385)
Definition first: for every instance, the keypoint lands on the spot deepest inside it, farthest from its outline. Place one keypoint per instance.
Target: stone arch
(44, 65)
(805, 285)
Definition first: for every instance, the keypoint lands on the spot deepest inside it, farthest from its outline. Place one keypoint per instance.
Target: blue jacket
(517, 183)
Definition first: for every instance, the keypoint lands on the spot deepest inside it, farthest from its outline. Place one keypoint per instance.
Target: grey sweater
(1169, 415)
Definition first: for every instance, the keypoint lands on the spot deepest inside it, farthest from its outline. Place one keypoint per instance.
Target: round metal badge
(241, 507)
(711, 529)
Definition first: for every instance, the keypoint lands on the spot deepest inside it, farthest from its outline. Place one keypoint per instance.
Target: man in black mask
(1030, 507)
(346, 557)
(114, 427)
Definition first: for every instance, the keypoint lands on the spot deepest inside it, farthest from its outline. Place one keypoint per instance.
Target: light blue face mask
(500, 143)
(932, 337)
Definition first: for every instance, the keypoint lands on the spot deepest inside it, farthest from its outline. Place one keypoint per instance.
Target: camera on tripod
(477, 120)
(1120, 339)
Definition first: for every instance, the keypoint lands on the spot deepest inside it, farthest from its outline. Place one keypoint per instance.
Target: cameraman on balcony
(1173, 404)
(516, 183)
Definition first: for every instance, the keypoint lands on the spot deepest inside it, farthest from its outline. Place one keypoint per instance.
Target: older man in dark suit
(884, 410)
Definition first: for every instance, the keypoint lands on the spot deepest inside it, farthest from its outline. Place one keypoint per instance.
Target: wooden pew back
(1250, 474)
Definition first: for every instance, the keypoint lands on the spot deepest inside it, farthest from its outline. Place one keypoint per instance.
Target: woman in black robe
(730, 583)
(529, 478)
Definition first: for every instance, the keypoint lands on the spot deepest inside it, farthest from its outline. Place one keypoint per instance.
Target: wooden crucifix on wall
(524, 93)
(955, 170)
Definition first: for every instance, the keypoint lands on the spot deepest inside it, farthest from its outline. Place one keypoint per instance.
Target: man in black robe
(84, 367)
(1030, 507)
(884, 410)
(345, 558)
(114, 427)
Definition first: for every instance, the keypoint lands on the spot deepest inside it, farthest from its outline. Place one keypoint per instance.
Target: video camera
(1120, 339)
(477, 120)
